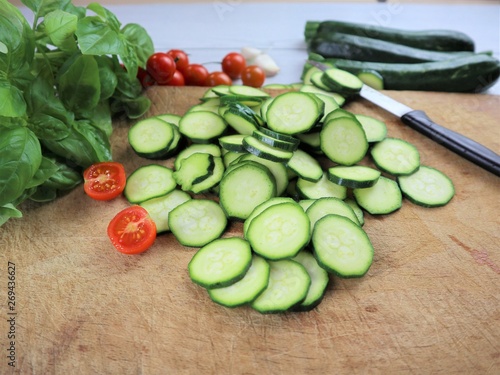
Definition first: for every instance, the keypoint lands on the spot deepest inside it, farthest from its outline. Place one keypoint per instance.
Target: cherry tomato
(161, 67)
(177, 79)
(195, 75)
(145, 78)
(233, 64)
(104, 181)
(132, 231)
(253, 76)
(218, 78)
(180, 57)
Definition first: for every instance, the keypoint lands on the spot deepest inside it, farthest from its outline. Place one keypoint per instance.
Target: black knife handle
(458, 143)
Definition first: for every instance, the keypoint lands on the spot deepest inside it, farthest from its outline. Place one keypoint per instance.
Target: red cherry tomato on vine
(132, 231)
(177, 79)
(253, 76)
(180, 57)
(195, 75)
(104, 181)
(218, 78)
(145, 78)
(161, 67)
(233, 64)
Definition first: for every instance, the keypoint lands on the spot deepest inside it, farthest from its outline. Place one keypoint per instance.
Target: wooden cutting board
(429, 304)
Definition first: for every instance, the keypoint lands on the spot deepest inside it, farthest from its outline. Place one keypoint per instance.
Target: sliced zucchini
(292, 113)
(221, 262)
(280, 231)
(197, 222)
(322, 188)
(427, 187)
(263, 150)
(375, 130)
(305, 166)
(354, 176)
(342, 247)
(245, 187)
(202, 126)
(211, 181)
(241, 118)
(329, 205)
(288, 285)
(151, 138)
(382, 198)
(233, 142)
(194, 169)
(396, 156)
(341, 81)
(319, 281)
(343, 141)
(208, 148)
(274, 142)
(149, 181)
(247, 289)
(159, 208)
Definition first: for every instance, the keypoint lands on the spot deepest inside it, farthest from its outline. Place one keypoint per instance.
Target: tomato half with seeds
(132, 231)
(105, 180)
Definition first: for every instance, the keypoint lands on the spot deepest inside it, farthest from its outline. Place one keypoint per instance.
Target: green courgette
(360, 48)
(473, 73)
(436, 40)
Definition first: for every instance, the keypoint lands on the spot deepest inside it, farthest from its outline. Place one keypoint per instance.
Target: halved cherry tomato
(132, 231)
(105, 180)
(253, 76)
(195, 75)
(218, 78)
(177, 79)
(233, 64)
(180, 57)
(161, 66)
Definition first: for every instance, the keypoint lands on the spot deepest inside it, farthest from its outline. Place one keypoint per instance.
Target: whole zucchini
(473, 73)
(436, 40)
(353, 47)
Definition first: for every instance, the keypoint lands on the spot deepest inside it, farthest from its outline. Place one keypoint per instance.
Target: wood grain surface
(430, 303)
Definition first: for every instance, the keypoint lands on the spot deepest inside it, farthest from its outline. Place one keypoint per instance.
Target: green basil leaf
(133, 108)
(129, 59)
(107, 76)
(96, 139)
(84, 145)
(79, 86)
(60, 26)
(65, 178)
(101, 118)
(17, 38)
(48, 127)
(96, 37)
(46, 170)
(105, 15)
(42, 7)
(139, 39)
(7, 212)
(48, 119)
(43, 194)
(20, 158)
(12, 103)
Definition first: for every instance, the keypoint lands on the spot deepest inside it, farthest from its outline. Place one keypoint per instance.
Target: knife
(419, 121)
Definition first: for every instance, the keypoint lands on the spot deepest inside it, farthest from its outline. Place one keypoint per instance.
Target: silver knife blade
(384, 101)
(374, 96)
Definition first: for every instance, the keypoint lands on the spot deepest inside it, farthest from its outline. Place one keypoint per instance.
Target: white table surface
(207, 31)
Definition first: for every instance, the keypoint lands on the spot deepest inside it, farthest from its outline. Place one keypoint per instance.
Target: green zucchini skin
(436, 40)
(360, 48)
(473, 73)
